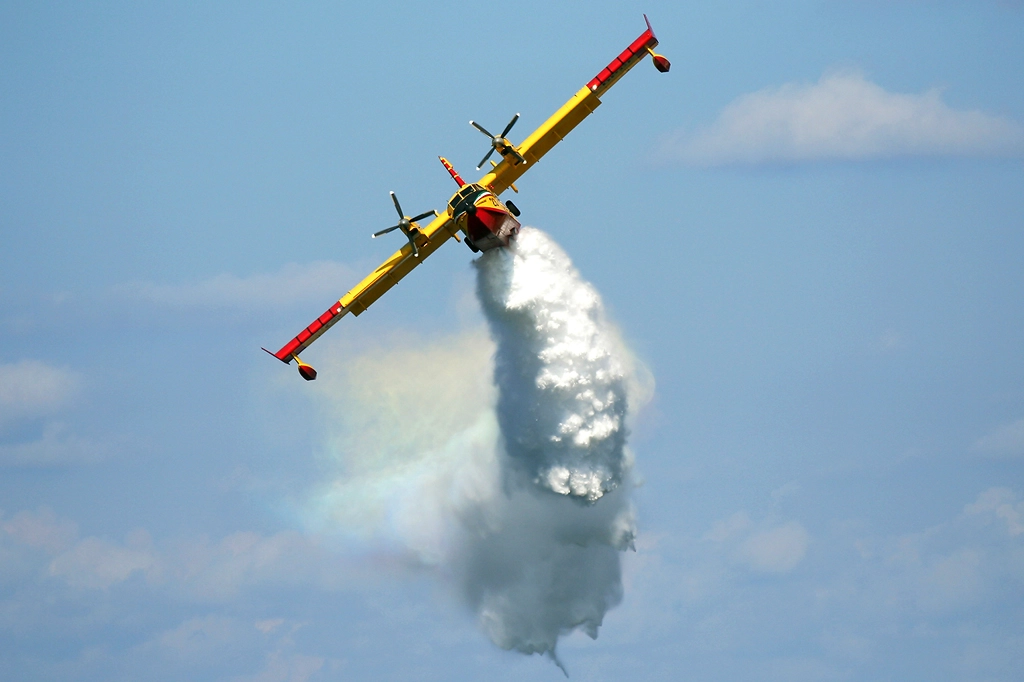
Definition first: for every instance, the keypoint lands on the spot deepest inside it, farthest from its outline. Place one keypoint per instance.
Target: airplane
(475, 210)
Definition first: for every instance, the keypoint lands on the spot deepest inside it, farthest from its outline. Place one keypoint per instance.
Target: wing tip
(275, 355)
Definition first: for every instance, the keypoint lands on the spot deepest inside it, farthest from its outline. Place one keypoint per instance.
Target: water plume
(543, 559)
(518, 489)
(561, 380)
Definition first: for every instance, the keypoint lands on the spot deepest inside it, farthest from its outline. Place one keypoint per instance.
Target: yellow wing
(373, 286)
(436, 233)
(553, 130)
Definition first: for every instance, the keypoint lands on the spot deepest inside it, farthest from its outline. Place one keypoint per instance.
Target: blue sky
(809, 233)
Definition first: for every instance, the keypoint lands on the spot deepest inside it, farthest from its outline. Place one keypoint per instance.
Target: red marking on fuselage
(490, 227)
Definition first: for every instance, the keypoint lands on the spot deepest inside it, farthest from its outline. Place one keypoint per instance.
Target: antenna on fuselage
(454, 173)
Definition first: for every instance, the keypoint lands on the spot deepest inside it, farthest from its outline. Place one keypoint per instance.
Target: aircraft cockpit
(464, 198)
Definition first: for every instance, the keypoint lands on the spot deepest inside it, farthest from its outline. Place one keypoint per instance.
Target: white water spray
(561, 382)
(519, 490)
(545, 560)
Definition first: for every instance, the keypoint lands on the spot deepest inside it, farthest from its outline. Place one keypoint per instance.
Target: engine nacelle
(306, 371)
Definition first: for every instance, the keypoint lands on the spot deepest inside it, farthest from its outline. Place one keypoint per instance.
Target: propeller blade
(398, 206)
(489, 152)
(481, 128)
(509, 126)
(415, 250)
(385, 231)
(421, 216)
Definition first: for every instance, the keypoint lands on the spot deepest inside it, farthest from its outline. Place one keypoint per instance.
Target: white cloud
(727, 529)
(775, 550)
(1003, 504)
(954, 582)
(220, 570)
(41, 530)
(281, 667)
(197, 638)
(1006, 440)
(268, 625)
(55, 447)
(951, 579)
(33, 390)
(55, 567)
(964, 565)
(208, 641)
(320, 280)
(30, 389)
(785, 490)
(954, 567)
(844, 117)
(211, 571)
(762, 548)
(98, 564)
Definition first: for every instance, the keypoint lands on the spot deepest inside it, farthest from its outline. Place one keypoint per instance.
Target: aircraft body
(476, 210)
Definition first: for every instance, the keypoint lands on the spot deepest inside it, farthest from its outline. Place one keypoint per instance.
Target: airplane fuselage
(483, 217)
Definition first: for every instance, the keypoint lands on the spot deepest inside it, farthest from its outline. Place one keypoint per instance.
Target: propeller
(405, 225)
(498, 142)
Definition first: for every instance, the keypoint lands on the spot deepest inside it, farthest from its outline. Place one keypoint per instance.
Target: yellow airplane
(475, 210)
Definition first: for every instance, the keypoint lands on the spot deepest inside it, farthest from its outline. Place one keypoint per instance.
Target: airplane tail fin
(455, 174)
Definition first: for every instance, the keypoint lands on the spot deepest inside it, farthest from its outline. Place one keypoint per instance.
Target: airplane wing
(504, 174)
(371, 288)
(581, 105)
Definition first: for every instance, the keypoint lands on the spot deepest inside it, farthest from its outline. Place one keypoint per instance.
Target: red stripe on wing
(310, 333)
(629, 56)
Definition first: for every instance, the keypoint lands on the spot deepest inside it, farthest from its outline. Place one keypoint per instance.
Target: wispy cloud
(319, 280)
(1004, 441)
(56, 446)
(41, 530)
(98, 564)
(1003, 504)
(775, 550)
(204, 569)
(844, 117)
(36, 394)
(873, 589)
(763, 547)
(31, 389)
(200, 640)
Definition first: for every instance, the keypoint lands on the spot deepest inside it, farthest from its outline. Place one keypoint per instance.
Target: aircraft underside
(490, 227)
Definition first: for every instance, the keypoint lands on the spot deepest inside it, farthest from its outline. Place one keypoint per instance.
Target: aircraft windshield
(465, 198)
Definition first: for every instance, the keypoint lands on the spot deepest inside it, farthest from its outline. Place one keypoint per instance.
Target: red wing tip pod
(306, 371)
(629, 58)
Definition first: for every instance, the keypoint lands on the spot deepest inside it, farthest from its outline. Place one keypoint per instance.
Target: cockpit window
(465, 198)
